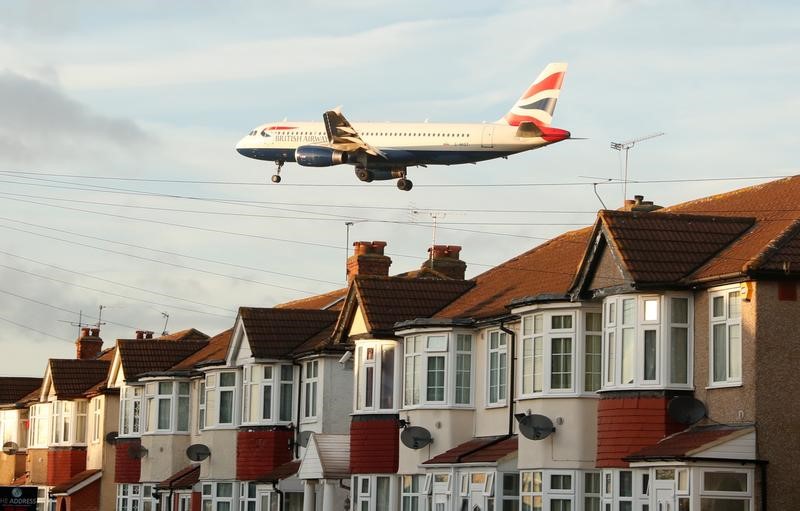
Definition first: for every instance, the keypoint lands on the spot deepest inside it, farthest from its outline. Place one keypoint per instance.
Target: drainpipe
(299, 410)
(511, 384)
(280, 494)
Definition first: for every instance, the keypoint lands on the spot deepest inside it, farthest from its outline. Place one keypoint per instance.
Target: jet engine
(318, 156)
(380, 174)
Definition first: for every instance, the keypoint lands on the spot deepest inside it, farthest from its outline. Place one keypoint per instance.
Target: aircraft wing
(342, 136)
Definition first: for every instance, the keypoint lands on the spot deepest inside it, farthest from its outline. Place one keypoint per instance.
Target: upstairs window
(498, 365)
(39, 425)
(375, 370)
(438, 369)
(97, 419)
(68, 422)
(167, 407)
(311, 369)
(725, 316)
(221, 398)
(268, 394)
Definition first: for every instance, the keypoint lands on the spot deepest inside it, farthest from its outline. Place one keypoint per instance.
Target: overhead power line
(32, 329)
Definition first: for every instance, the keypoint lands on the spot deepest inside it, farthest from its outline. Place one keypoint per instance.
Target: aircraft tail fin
(538, 102)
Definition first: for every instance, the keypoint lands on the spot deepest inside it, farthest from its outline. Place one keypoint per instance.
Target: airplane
(384, 151)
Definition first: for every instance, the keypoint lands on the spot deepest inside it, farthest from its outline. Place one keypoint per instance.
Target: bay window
(726, 336)
(438, 369)
(498, 366)
(647, 341)
(371, 493)
(167, 407)
(220, 404)
(413, 497)
(39, 425)
(97, 419)
(129, 497)
(68, 422)
(726, 489)
(217, 497)
(268, 394)
(130, 411)
(310, 391)
(375, 370)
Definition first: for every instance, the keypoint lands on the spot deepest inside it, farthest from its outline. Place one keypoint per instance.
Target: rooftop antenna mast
(627, 146)
(348, 224)
(80, 324)
(166, 321)
(435, 215)
(100, 321)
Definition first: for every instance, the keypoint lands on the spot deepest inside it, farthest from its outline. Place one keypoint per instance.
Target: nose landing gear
(276, 178)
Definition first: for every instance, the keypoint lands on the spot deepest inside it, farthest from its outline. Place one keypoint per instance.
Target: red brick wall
(627, 424)
(374, 444)
(260, 451)
(87, 499)
(63, 463)
(127, 469)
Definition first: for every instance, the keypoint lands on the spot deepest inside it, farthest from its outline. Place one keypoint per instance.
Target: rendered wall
(166, 454)
(448, 428)
(36, 466)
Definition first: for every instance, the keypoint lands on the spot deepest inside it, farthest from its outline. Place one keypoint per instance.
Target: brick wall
(629, 422)
(127, 469)
(63, 463)
(86, 499)
(374, 444)
(258, 451)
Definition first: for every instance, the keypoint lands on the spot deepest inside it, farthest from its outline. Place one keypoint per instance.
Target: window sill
(496, 405)
(375, 412)
(726, 385)
(309, 420)
(437, 406)
(533, 397)
(164, 433)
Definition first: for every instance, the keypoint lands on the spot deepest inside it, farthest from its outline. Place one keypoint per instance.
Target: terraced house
(644, 363)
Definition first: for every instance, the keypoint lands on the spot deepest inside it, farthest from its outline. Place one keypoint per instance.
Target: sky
(120, 187)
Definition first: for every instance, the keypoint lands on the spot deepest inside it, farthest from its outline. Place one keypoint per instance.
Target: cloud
(41, 124)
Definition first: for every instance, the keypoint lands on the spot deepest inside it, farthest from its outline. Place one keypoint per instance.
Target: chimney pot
(148, 335)
(368, 259)
(140, 334)
(84, 332)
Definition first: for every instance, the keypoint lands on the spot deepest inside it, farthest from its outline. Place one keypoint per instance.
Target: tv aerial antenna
(627, 146)
(165, 315)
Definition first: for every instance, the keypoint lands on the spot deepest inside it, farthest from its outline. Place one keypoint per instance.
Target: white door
(185, 503)
(665, 499)
(487, 140)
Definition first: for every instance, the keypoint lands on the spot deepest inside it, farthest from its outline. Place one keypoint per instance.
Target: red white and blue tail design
(539, 101)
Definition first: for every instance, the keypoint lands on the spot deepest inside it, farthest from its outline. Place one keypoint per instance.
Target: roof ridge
(773, 246)
(669, 214)
(731, 193)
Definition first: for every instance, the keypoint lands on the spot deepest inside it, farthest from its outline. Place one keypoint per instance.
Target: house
(14, 392)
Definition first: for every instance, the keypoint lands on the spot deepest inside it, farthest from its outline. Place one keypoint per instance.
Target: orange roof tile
(216, 349)
(546, 269)
(190, 334)
(73, 377)
(485, 449)
(184, 478)
(332, 300)
(75, 480)
(275, 333)
(687, 442)
(280, 472)
(13, 389)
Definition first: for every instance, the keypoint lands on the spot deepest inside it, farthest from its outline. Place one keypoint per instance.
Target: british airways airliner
(382, 151)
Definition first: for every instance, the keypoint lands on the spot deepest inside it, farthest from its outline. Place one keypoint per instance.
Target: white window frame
(497, 378)
(246, 496)
(385, 362)
(39, 425)
(311, 389)
(129, 497)
(746, 495)
(96, 406)
(177, 396)
(210, 494)
(70, 417)
(213, 395)
(448, 347)
(408, 493)
(368, 493)
(728, 322)
(263, 382)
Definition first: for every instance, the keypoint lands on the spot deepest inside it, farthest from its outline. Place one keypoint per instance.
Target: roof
(73, 377)
(13, 389)
(216, 349)
(77, 482)
(184, 478)
(689, 442)
(389, 300)
(546, 269)
(485, 449)
(665, 248)
(275, 333)
(321, 340)
(139, 356)
(280, 472)
(190, 334)
(326, 457)
(332, 300)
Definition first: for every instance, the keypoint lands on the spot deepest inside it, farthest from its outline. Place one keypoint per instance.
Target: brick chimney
(144, 334)
(89, 344)
(639, 204)
(368, 259)
(445, 259)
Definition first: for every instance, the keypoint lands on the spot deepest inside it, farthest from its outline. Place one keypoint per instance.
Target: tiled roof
(664, 248)
(184, 478)
(190, 334)
(73, 377)
(13, 389)
(280, 472)
(485, 449)
(274, 333)
(327, 301)
(216, 349)
(74, 481)
(319, 341)
(689, 441)
(388, 300)
(774, 205)
(546, 269)
(140, 356)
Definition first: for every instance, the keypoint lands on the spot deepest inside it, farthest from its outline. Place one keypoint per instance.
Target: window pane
(183, 413)
(538, 363)
(720, 352)
(437, 343)
(369, 385)
(725, 481)
(224, 489)
(510, 485)
(650, 350)
(560, 482)
(628, 355)
(266, 402)
(561, 322)
(734, 352)
(626, 483)
(463, 378)
(538, 323)
(227, 379)
(561, 363)
(286, 373)
(163, 413)
(718, 306)
(628, 311)
(594, 321)
(611, 354)
(286, 402)
(679, 349)
(527, 366)
(734, 305)
(387, 377)
(651, 310)
(226, 407)
(165, 387)
(680, 310)
(709, 504)
(382, 494)
(592, 363)
(435, 391)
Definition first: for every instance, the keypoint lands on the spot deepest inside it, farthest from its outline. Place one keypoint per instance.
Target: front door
(665, 499)
(487, 139)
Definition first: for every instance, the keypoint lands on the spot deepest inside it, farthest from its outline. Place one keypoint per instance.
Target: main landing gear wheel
(276, 178)
(404, 184)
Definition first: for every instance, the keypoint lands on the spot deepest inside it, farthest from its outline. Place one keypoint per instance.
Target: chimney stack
(639, 204)
(89, 344)
(445, 259)
(368, 259)
(143, 334)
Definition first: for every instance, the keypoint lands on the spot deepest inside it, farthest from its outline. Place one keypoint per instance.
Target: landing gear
(276, 178)
(364, 175)
(404, 184)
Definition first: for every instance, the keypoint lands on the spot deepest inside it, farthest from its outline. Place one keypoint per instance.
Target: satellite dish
(111, 437)
(535, 427)
(137, 452)
(686, 409)
(10, 448)
(415, 437)
(198, 452)
(304, 437)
